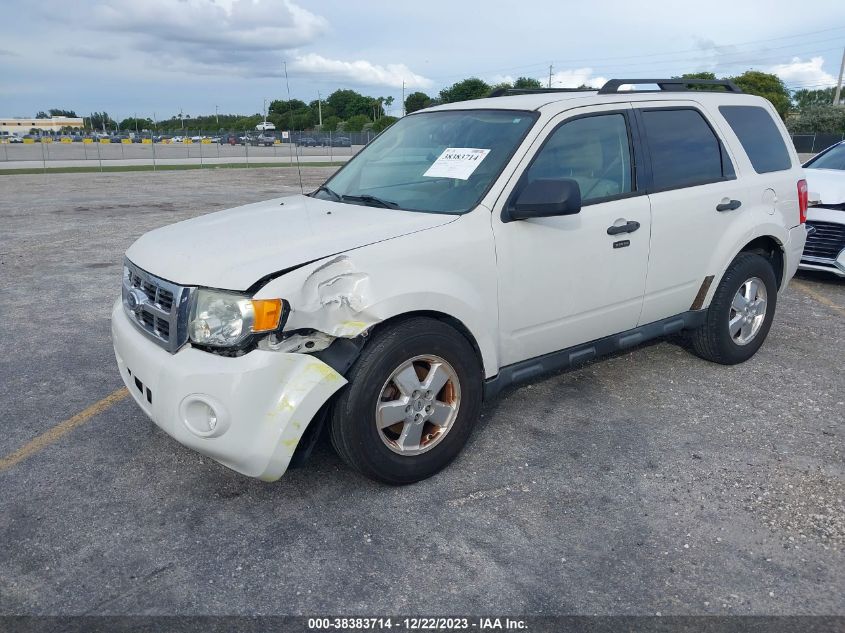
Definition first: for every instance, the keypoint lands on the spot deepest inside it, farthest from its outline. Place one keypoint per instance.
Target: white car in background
(825, 248)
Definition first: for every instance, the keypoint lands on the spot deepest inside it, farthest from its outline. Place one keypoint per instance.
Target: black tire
(353, 429)
(712, 340)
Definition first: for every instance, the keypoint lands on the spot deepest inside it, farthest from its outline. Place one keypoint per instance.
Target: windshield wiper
(371, 200)
(333, 194)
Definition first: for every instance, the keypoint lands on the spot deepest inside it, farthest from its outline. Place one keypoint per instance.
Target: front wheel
(741, 313)
(413, 398)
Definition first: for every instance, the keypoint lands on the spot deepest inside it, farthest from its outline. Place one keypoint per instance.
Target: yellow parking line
(61, 429)
(818, 297)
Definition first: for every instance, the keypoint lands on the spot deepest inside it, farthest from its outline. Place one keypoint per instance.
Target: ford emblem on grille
(136, 299)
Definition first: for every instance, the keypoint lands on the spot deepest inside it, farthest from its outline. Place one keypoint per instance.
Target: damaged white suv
(469, 247)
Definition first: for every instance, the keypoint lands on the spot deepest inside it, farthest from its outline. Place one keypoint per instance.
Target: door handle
(628, 227)
(733, 205)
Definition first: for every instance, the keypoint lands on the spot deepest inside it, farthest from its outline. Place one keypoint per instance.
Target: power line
(715, 48)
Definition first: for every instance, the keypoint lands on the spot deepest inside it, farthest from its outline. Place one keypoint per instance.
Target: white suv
(469, 247)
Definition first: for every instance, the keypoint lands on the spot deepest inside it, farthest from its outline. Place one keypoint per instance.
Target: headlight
(225, 319)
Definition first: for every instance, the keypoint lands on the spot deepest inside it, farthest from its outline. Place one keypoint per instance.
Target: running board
(532, 368)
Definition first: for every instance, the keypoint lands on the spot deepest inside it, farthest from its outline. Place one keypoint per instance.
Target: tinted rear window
(684, 150)
(759, 136)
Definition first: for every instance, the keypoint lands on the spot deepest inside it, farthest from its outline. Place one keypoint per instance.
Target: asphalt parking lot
(648, 482)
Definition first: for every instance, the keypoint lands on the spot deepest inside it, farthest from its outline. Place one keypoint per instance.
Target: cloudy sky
(157, 56)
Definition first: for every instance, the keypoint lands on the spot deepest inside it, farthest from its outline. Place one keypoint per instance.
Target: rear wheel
(413, 397)
(741, 313)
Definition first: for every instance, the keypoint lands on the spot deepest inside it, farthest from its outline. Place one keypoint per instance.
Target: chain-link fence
(189, 146)
(815, 143)
(206, 147)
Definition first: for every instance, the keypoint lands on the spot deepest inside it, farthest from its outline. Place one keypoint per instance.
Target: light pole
(320, 110)
(216, 117)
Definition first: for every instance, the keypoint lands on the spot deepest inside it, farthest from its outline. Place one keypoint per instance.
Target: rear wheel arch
(770, 248)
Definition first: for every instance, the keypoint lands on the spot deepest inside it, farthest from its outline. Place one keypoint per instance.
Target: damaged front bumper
(247, 412)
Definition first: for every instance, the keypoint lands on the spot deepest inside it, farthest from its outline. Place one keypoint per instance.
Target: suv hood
(233, 249)
(828, 183)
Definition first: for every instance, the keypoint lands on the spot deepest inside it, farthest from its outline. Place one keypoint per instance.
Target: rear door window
(759, 136)
(684, 149)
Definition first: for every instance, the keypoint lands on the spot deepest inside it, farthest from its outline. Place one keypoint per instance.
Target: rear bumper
(262, 401)
(792, 253)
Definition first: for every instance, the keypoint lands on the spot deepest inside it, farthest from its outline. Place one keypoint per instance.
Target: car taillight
(802, 200)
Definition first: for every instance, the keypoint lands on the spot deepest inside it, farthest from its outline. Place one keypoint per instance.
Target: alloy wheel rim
(418, 405)
(748, 311)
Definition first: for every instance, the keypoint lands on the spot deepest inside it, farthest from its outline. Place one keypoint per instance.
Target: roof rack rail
(505, 92)
(675, 84)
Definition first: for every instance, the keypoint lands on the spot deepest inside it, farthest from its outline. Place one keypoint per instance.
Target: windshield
(436, 162)
(832, 159)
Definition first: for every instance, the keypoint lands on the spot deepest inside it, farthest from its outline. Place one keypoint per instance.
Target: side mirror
(544, 198)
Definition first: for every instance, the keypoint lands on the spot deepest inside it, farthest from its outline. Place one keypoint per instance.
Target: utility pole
(839, 83)
(136, 123)
(265, 114)
(320, 110)
(550, 75)
(216, 117)
(182, 119)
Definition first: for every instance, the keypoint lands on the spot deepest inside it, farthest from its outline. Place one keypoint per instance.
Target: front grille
(156, 306)
(825, 240)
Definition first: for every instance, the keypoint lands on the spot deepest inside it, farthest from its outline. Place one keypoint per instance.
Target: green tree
(383, 123)
(42, 115)
(527, 83)
(702, 75)
(348, 103)
(500, 86)
(60, 112)
(472, 88)
(356, 123)
(818, 119)
(331, 123)
(416, 101)
(131, 124)
(808, 98)
(101, 121)
(767, 86)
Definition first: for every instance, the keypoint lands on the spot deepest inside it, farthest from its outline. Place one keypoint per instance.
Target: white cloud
(561, 79)
(576, 77)
(88, 53)
(360, 71)
(243, 37)
(801, 74)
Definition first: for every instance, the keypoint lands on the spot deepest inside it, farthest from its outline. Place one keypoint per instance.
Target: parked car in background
(307, 141)
(825, 248)
(15, 139)
(266, 139)
(554, 228)
(337, 141)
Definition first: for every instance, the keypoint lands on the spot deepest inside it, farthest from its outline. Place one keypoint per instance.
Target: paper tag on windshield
(457, 162)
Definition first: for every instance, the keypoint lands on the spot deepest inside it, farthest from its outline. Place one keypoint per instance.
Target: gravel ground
(647, 482)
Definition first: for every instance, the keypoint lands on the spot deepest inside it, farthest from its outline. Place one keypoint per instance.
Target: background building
(53, 125)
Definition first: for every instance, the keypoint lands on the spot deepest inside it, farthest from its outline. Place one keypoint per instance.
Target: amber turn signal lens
(268, 312)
